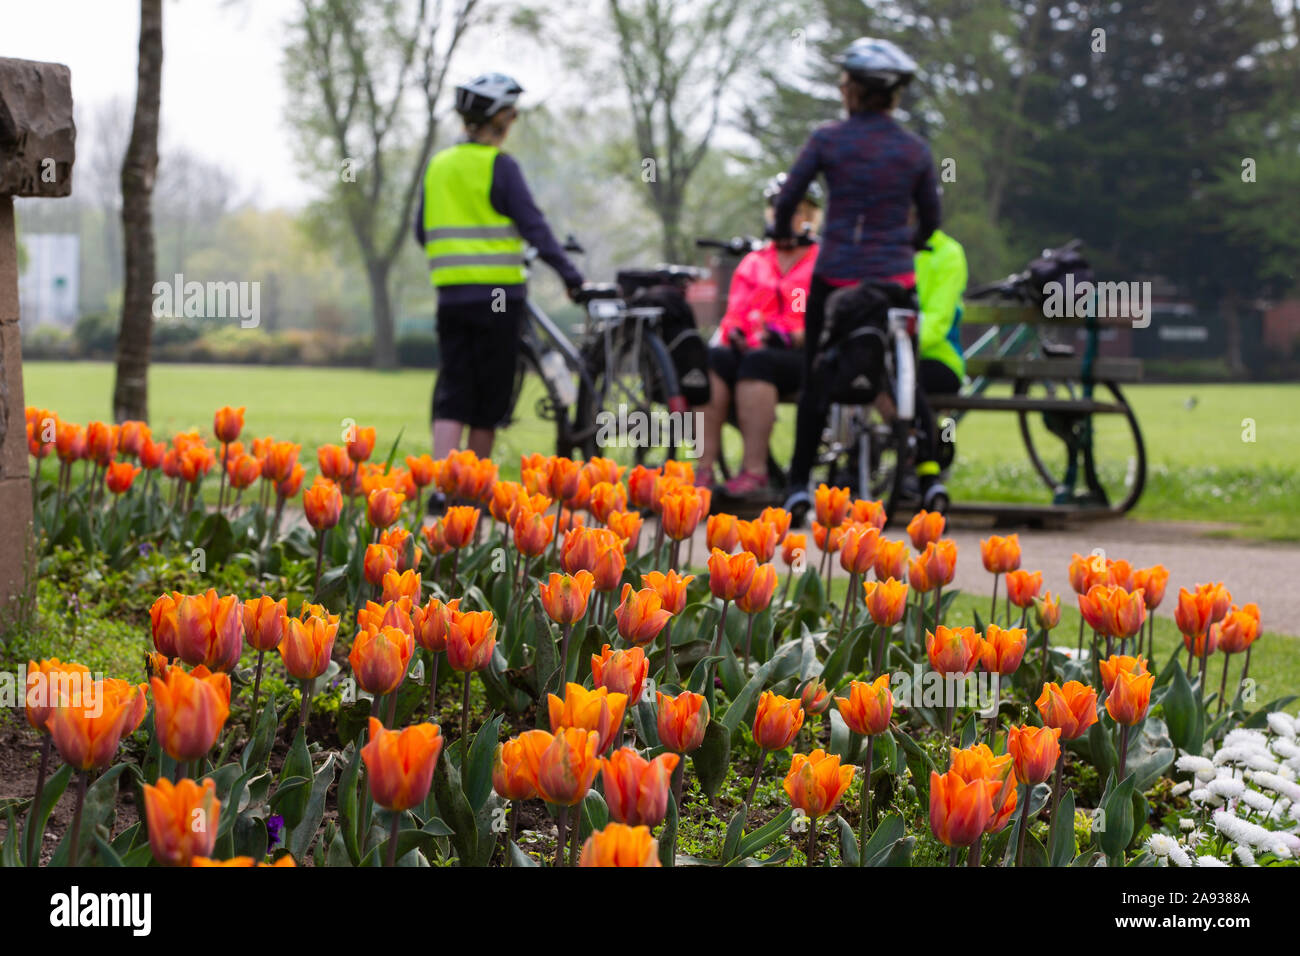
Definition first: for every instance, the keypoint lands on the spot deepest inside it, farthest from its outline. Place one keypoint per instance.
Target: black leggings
(814, 404)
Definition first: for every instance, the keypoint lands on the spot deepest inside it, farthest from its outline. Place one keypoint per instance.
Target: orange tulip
(731, 575)
(868, 513)
(1111, 666)
(623, 671)
(858, 548)
(564, 597)
(829, 537)
(641, 615)
(162, 619)
(280, 460)
(459, 524)
(977, 762)
(131, 437)
(960, 810)
(641, 486)
(1071, 708)
(69, 441)
(636, 789)
(243, 471)
(264, 622)
(567, 767)
(1198, 609)
(777, 721)
(1034, 752)
(1130, 696)
(471, 639)
(289, 487)
(619, 845)
(50, 682)
(373, 617)
(1047, 611)
(1002, 649)
(779, 519)
(671, 588)
(323, 503)
(308, 642)
(607, 570)
(816, 782)
(831, 505)
(119, 476)
(1023, 587)
(627, 526)
(182, 820)
(152, 454)
(891, 560)
(209, 630)
(600, 710)
(1084, 571)
(722, 531)
(681, 721)
(505, 495)
(886, 601)
(794, 548)
(383, 505)
(533, 532)
(86, 728)
(953, 650)
(228, 423)
(602, 470)
(399, 764)
(926, 526)
(759, 593)
(514, 773)
(430, 623)
(1238, 630)
(606, 498)
(1000, 555)
(758, 538)
(405, 584)
(379, 659)
(190, 710)
(360, 442)
(334, 462)
(1151, 582)
(869, 707)
(813, 696)
(681, 513)
(101, 442)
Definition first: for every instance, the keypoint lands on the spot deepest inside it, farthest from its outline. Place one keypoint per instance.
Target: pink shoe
(747, 484)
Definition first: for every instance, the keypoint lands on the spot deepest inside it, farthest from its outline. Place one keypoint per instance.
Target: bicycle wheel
(547, 407)
(633, 413)
(1115, 474)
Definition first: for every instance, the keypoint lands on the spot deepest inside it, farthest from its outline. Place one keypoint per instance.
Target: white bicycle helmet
(484, 96)
(877, 64)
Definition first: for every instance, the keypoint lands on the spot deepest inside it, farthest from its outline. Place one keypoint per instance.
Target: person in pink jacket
(756, 355)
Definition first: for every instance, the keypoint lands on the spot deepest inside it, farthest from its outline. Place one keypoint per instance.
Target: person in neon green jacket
(940, 282)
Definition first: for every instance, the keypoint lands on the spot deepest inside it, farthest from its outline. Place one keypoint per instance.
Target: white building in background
(48, 287)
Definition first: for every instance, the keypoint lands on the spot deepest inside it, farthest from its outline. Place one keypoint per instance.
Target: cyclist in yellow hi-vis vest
(474, 218)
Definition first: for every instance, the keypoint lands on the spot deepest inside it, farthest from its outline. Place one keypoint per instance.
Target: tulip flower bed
(547, 675)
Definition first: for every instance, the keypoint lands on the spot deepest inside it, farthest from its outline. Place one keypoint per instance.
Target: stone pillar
(37, 139)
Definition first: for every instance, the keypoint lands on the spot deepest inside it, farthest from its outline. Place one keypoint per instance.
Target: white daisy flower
(1209, 861)
(1243, 855)
(1180, 857)
(1180, 788)
(1161, 844)
(1282, 724)
(1278, 784)
(1200, 766)
(1226, 787)
(1186, 823)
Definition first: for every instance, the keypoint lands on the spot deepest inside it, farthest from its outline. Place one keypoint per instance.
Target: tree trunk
(382, 306)
(1230, 309)
(139, 169)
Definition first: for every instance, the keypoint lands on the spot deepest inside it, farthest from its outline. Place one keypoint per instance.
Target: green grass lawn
(1200, 467)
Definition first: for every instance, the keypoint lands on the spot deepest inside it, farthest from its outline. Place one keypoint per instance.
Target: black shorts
(780, 367)
(478, 350)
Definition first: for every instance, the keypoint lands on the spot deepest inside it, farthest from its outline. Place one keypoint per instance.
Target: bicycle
(618, 365)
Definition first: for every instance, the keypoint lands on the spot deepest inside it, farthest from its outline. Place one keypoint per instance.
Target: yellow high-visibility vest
(466, 241)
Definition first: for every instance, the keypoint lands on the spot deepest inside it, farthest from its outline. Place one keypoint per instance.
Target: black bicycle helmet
(814, 194)
(877, 64)
(484, 96)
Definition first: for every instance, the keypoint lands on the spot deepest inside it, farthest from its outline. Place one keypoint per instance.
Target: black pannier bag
(1054, 265)
(682, 337)
(850, 360)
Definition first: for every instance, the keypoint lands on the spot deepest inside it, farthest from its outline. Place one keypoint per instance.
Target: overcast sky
(222, 92)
